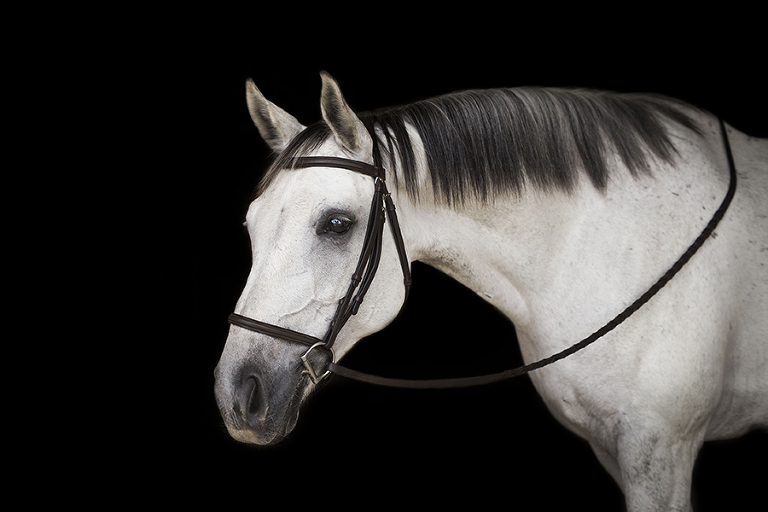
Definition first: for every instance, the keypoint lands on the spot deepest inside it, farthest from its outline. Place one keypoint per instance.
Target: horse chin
(266, 436)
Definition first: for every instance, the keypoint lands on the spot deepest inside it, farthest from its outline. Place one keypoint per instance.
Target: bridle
(381, 206)
(368, 262)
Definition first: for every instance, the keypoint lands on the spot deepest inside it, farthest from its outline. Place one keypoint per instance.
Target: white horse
(560, 208)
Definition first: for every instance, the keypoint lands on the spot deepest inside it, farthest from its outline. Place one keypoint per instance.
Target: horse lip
(293, 408)
(271, 427)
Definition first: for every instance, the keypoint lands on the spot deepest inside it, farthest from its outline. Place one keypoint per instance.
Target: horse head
(307, 228)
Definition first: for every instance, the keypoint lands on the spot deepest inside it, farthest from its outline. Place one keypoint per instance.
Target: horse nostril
(256, 401)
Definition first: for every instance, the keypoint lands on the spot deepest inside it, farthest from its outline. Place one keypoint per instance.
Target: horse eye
(338, 225)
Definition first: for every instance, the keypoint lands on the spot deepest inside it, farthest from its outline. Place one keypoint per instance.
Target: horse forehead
(301, 190)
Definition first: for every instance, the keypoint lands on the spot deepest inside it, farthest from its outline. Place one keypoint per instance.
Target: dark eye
(338, 224)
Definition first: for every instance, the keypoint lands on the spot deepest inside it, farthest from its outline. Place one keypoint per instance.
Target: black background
(365, 446)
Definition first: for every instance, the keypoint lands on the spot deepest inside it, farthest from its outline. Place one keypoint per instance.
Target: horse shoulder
(744, 242)
(681, 357)
(735, 266)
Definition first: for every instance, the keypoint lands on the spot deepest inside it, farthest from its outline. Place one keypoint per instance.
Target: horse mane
(481, 144)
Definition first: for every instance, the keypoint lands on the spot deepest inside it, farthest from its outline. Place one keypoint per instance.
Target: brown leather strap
(369, 260)
(463, 382)
(399, 243)
(339, 163)
(272, 330)
(522, 370)
(366, 268)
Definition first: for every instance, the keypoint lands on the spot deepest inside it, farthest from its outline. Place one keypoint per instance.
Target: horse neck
(561, 265)
(508, 251)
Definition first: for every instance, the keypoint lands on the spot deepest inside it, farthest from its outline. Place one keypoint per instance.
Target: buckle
(308, 367)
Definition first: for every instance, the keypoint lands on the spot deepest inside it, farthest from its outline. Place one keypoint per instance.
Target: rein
(369, 261)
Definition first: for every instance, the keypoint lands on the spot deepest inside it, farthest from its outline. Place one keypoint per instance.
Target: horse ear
(344, 123)
(276, 126)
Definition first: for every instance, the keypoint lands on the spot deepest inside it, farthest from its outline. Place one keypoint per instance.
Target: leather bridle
(369, 261)
(370, 255)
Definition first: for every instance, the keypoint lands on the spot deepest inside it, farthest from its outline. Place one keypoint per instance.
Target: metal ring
(308, 367)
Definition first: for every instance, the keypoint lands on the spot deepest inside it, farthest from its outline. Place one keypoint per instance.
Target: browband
(339, 163)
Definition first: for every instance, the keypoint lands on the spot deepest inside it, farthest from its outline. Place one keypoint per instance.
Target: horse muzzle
(260, 407)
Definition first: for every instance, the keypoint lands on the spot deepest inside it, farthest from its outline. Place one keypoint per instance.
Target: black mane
(481, 144)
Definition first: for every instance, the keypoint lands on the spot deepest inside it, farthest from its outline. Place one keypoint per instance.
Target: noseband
(369, 262)
(381, 207)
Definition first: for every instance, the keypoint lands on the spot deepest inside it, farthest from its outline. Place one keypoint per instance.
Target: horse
(557, 206)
